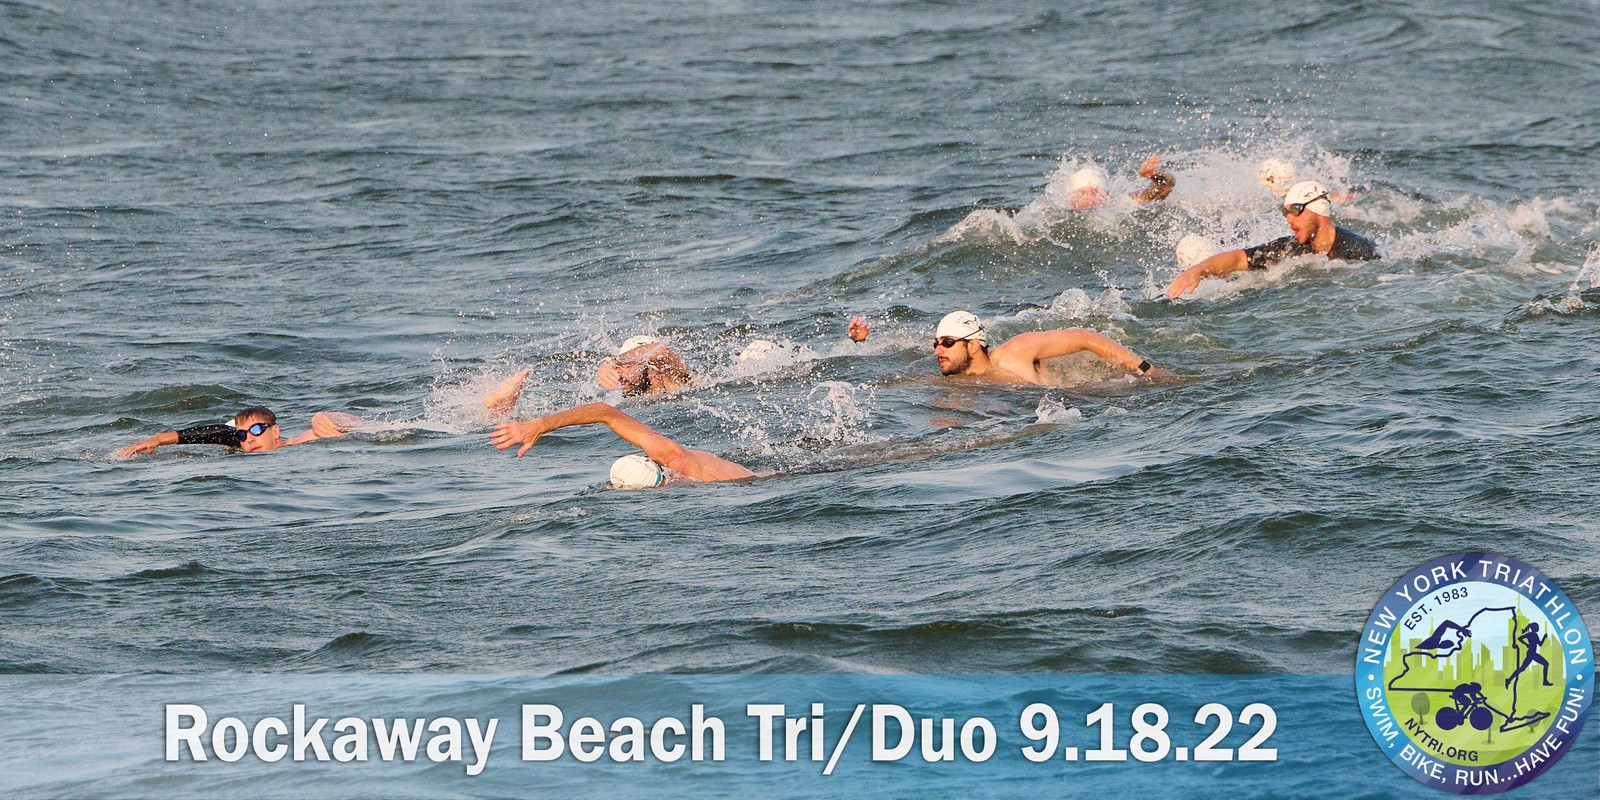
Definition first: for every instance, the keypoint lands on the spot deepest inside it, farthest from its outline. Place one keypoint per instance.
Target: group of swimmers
(645, 365)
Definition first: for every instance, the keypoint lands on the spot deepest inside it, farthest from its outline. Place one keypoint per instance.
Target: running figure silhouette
(1530, 637)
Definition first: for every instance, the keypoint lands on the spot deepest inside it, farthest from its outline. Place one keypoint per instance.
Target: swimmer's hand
(147, 446)
(1150, 167)
(524, 432)
(1183, 284)
(328, 424)
(608, 376)
(859, 329)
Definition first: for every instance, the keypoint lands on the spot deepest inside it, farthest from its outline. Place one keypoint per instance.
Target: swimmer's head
(1275, 175)
(636, 342)
(636, 472)
(258, 429)
(1307, 196)
(1193, 249)
(1087, 178)
(759, 348)
(953, 341)
(1306, 209)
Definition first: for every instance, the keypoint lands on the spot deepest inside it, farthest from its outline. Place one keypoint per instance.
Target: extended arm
(1161, 183)
(1050, 344)
(326, 425)
(200, 434)
(656, 447)
(1226, 262)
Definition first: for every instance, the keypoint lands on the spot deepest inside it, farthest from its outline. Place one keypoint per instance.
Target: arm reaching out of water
(327, 425)
(858, 330)
(694, 464)
(1224, 263)
(1040, 345)
(1161, 183)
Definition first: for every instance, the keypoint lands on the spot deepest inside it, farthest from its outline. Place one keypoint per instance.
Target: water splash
(1052, 411)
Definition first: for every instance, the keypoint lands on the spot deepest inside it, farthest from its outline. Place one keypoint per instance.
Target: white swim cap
(1305, 192)
(1087, 178)
(636, 341)
(960, 325)
(1274, 175)
(1193, 249)
(636, 472)
(757, 349)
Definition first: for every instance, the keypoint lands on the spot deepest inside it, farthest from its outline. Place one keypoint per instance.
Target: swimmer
(960, 345)
(1308, 212)
(1193, 249)
(664, 460)
(255, 429)
(643, 365)
(1087, 186)
(1277, 176)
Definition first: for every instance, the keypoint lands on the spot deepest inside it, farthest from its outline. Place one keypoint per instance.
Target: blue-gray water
(383, 207)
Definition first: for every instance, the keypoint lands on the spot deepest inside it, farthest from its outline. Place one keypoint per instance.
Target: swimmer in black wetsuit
(255, 429)
(1307, 210)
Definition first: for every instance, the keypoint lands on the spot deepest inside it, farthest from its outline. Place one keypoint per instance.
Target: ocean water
(383, 208)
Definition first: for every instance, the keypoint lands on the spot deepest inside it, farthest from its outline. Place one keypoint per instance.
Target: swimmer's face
(1304, 224)
(269, 439)
(630, 378)
(954, 355)
(1089, 197)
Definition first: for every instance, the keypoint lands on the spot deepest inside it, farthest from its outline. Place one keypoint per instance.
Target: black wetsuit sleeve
(1265, 255)
(209, 434)
(1349, 246)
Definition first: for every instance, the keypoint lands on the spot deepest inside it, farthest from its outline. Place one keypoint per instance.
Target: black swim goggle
(254, 430)
(1294, 209)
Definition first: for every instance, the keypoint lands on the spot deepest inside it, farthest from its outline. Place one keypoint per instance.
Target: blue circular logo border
(1390, 733)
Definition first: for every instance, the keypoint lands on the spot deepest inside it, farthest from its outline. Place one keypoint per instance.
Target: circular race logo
(1474, 673)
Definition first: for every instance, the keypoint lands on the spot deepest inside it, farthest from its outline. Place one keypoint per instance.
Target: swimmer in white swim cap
(636, 472)
(1308, 211)
(960, 345)
(1193, 249)
(661, 455)
(760, 348)
(1087, 186)
(1275, 175)
(643, 365)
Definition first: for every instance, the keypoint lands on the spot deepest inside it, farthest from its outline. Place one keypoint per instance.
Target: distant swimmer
(1308, 212)
(255, 429)
(644, 365)
(1277, 176)
(960, 344)
(664, 460)
(1087, 187)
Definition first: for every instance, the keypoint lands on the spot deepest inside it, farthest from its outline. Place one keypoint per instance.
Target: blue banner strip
(855, 736)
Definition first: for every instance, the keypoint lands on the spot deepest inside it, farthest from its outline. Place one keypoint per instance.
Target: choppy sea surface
(384, 208)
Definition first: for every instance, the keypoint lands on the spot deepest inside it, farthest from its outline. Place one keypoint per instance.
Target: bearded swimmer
(255, 429)
(663, 460)
(961, 345)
